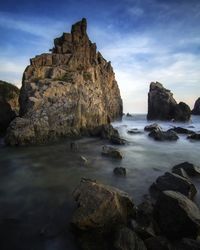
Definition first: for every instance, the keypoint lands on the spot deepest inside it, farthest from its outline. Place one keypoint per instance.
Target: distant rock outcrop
(162, 105)
(70, 90)
(196, 109)
(9, 105)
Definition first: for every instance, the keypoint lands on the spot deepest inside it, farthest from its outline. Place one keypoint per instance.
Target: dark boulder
(100, 207)
(177, 216)
(189, 168)
(181, 172)
(134, 131)
(120, 171)
(162, 105)
(158, 243)
(196, 109)
(111, 152)
(195, 136)
(173, 182)
(117, 140)
(180, 130)
(126, 239)
(188, 244)
(151, 127)
(159, 135)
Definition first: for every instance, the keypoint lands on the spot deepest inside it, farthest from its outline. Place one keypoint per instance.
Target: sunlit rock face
(196, 109)
(65, 92)
(163, 106)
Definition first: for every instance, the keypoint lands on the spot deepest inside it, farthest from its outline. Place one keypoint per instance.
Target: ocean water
(37, 182)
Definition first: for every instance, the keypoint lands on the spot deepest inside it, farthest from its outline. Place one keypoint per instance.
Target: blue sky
(146, 40)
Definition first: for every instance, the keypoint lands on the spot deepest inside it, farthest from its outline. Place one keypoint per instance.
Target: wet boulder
(134, 131)
(126, 239)
(159, 135)
(177, 216)
(120, 171)
(117, 140)
(173, 182)
(195, 136)
(151, 127)
(100, 207)
(111, 152)
(189, 168)
(196, 109)
(180, 130)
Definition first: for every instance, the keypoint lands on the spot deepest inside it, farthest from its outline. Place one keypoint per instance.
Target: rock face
(196, 109)
(66, 91)
(9, 105)
(162, 105)
(177, 216)
(100, 207)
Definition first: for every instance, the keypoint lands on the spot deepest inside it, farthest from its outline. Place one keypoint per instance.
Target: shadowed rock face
(196, 109)
(9, 105)
(66, 91)
(162, 105)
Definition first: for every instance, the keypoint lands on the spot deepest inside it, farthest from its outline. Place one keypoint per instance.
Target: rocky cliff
(9, 105)
(162, 105)
(196, 109)
(70, 90)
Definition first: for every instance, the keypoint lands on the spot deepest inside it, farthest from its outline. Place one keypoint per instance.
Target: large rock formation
(162, 105)
(65, 92)
(9, 105)
(196, 109)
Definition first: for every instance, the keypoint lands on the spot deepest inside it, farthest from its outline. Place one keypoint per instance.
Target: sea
(37, 182)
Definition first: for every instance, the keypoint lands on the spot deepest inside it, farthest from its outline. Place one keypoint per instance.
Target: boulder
(181, 172)
(120, 171)
(134, 131)
(100, 207)
(195, 136)
(9, 105)
(117, 140)
(177, 216)
(126, 239)
(196, 109)
(162, 105)
(173, 182)
(180, 130)
(70, 90)
(151, 127)
(111, 152)
(189, 168)
(159, 135)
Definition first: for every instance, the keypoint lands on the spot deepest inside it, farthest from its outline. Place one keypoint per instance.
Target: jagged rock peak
(163, 106)
(196, 109)
(70, 90)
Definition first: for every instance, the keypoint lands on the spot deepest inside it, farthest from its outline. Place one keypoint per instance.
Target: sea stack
(9, 105)
(163, 106)
(196, 109)
(69, 90)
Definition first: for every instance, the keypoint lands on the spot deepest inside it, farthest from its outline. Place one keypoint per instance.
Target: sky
(145, 40)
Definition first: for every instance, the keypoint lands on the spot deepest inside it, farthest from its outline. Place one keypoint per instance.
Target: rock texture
(196, 109)
(9, 105)
(66, 91)
(162, 105)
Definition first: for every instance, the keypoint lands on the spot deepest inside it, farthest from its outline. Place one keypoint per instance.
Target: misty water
(37, 182)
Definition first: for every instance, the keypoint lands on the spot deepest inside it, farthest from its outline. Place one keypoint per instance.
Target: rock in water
(196, 109)
(100, 207)
(177, 216)
(66, 91)
(9, 105)
(162, 105)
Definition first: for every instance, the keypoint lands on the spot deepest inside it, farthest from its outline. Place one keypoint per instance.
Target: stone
(134, 131)
(9, 105)
(163, 106)
(159, 243)
(188, 244)
(117, 140)
(70, 90)
(181, 172)
(180, 130)
(126, 239)
(111, 152)
(129, 115)
(151, 127)
(189, 168)
(120, 171)
(177, 216)
(196, 109)
(159, 135)
(83, 160)
(100, 207)
(174, 182)
(195, 136)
